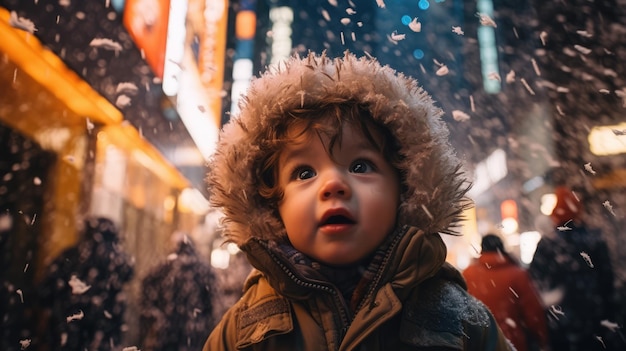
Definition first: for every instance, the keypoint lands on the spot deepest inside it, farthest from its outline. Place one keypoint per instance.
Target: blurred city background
(113, 107)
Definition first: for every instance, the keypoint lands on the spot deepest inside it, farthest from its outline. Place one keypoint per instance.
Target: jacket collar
(410, 257)
(424, 295)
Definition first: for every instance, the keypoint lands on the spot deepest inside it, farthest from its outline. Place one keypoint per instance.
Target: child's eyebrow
(294, 151)
(365, 144)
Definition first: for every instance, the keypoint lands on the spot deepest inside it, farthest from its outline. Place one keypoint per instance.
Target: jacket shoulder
(441, 313)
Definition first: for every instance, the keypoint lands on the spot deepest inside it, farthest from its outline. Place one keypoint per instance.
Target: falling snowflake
(535, 67)
(530, 90)
(583, 50)
(427, 211)
(326, 15)
(610, 325)
(510, 77)
(106, 44)
(604, 91)
(622, 94)
(599, 338)
(589, 169)
(345, 21)
(510, 322)
(587, 258)
(19, 292)
(24, 344)
(494, 76)
(556, 310)
(90, 125)
(460, 116)
(77, 316)
(415, 25)
(301, 93)
(485, 20)
(126, 88)
(560, 110)
(122, 101)
(584, 33)
(442, 71)
(457, 30)
(543, 36)
(21, 23)
(78, 286)
(609, 207)
(380, 3)
(397, 37)
(562, 90)
(350, 11)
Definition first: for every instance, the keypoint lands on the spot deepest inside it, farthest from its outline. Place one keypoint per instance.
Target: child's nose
(335, 186)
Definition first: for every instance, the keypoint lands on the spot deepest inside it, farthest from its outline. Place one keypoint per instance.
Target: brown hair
(327, 120)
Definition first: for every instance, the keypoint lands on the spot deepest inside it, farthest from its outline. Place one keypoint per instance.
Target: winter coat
(177, 303)
(574, 265)
(406, 298)
(509, 293)
(415, 301)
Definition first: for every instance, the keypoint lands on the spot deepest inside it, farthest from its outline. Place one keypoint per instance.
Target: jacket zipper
(383, 267)
(338, 300)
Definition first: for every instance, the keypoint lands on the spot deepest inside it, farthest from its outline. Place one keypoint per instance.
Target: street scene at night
(312, 175)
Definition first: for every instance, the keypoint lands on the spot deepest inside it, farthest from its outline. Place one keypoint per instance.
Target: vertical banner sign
(146, 21)
(212, 53)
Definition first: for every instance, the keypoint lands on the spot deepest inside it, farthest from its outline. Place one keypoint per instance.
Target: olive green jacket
(415, 302)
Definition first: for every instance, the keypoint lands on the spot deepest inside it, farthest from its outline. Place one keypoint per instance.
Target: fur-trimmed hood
(435, 188)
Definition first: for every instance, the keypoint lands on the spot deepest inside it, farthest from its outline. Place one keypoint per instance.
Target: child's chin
(339, 260)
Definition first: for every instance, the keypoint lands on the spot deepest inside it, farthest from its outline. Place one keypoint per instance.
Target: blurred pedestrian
(505, 287)
(82, 292)
(177, 301)
(573, 272)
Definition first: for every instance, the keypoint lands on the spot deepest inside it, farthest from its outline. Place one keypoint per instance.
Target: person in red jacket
(499, 282)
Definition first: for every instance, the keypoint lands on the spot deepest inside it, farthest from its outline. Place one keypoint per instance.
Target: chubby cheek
(290, 212)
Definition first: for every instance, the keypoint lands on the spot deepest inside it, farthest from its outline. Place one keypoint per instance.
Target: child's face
(337, 210)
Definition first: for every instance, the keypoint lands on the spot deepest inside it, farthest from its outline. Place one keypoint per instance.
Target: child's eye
(302, 173)
(361, 166)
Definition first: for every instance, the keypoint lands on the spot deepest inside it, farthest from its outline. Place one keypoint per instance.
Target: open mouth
(338, 219)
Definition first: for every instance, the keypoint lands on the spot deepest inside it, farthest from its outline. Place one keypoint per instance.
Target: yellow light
(608, 140)
(191, 200)
(509, 226)
(25, 50)
(548, 201)
(127, 138)
(169, 203)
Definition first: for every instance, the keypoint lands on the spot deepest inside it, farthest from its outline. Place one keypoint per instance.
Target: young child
(335, 179)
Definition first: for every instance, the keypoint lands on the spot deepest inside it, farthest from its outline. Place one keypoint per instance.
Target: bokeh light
(418, 54)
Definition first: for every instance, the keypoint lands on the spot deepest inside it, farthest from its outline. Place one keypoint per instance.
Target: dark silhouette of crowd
(498, 280)
(82, 294)
(177, 302)
(573, 272)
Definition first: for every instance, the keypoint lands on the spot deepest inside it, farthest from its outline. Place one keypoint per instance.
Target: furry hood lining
(435, 188)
